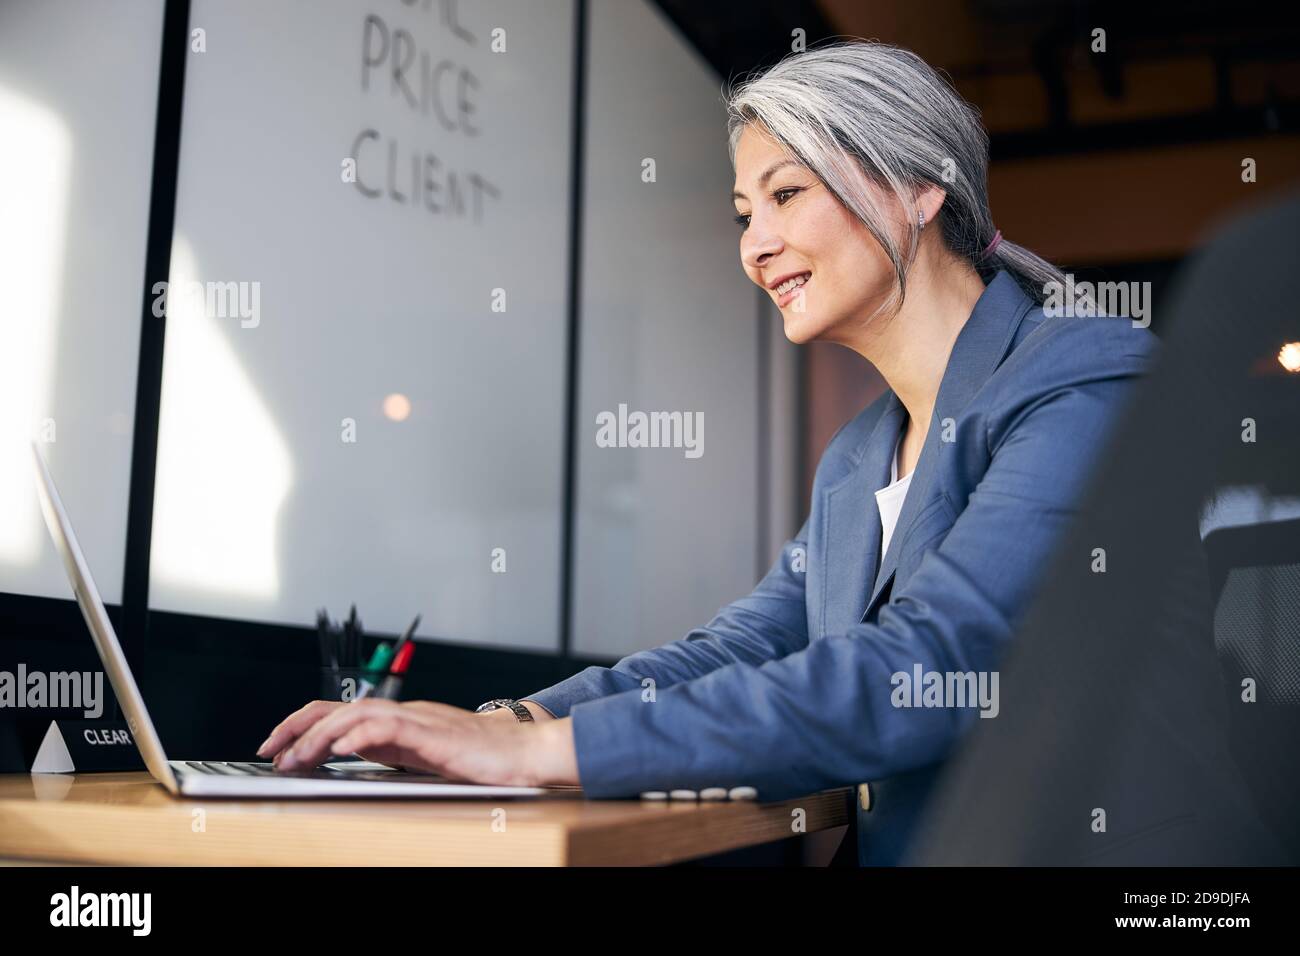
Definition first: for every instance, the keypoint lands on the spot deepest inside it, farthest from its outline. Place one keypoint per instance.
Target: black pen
(325, 637)
(351, 644)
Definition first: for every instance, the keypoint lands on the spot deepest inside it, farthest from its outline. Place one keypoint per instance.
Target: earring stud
(920, 218)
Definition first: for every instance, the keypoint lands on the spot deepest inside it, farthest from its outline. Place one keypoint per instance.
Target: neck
(911, 348)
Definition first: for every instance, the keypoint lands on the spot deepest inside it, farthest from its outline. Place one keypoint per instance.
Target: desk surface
(127, 818)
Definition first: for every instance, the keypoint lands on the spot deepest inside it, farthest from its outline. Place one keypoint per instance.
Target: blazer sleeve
(822, 716)
(764, 626)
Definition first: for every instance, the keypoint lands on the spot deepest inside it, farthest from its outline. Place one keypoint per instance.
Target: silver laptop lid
(101, 629)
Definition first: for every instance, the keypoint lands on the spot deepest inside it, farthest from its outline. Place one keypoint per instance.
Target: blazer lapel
(852, 525)
(917, 492)
(980, 347)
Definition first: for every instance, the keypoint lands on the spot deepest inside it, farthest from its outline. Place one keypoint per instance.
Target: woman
(862, 198)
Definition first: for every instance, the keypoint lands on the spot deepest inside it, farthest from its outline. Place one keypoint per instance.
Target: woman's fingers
(297, 723)
(388, 756)
(414, 741)
(314, 745)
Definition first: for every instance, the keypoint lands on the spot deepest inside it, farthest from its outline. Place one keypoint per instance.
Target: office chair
(1255, 580)
(1123, 737)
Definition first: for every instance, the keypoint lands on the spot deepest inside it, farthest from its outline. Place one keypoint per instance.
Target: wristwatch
(521, 712)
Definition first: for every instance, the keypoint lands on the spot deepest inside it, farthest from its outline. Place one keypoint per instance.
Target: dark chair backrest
(1255, 581)
(1120, 741)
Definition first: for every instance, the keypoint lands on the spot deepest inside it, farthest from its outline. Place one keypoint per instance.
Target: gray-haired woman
(874, 640)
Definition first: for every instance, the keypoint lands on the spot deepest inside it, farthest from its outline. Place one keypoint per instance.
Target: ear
(929, 200)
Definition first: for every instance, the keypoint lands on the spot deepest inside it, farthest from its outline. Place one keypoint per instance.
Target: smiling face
(822, 267)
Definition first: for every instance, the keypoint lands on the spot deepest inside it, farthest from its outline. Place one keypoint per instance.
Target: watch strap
(522, 713)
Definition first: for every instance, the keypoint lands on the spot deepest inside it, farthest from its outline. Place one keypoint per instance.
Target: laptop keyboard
(235, 768)
(231, 769)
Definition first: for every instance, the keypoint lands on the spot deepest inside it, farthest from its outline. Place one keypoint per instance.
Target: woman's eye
(782, 196)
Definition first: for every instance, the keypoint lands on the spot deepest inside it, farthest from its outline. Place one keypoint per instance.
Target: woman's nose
(757, 249)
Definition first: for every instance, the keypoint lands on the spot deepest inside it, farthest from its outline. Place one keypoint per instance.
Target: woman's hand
(430, 737)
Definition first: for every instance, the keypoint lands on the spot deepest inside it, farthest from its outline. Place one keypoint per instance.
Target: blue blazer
(791, 689)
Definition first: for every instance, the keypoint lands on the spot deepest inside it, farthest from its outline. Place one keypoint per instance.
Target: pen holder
(344, 683)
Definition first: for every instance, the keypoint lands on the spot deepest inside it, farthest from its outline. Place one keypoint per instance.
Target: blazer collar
(983, 342)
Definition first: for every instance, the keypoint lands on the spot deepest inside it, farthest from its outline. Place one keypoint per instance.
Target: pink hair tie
(993, 244)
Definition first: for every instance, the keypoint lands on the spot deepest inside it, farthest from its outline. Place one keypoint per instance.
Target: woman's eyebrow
(762, 180)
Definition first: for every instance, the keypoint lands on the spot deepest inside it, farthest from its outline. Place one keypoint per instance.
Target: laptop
(218, 778)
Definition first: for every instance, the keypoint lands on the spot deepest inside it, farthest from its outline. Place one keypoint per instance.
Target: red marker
(392, 684)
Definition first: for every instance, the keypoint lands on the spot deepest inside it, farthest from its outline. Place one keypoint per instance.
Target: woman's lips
(788, 297)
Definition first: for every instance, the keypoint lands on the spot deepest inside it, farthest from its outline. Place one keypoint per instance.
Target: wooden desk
(127, 818)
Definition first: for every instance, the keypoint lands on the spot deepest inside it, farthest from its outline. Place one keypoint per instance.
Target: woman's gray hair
(887, 111)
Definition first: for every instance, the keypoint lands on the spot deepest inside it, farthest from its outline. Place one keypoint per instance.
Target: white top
(890, 500)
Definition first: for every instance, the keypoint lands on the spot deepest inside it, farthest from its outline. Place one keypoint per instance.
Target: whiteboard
(669, 324)
(363, 383)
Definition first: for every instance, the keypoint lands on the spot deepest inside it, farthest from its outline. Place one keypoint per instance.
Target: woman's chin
(800, 327)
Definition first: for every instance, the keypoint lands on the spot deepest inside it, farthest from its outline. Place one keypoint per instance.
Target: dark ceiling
(1174, 71)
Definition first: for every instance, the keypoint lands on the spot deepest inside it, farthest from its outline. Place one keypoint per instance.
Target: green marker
(377, 667)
